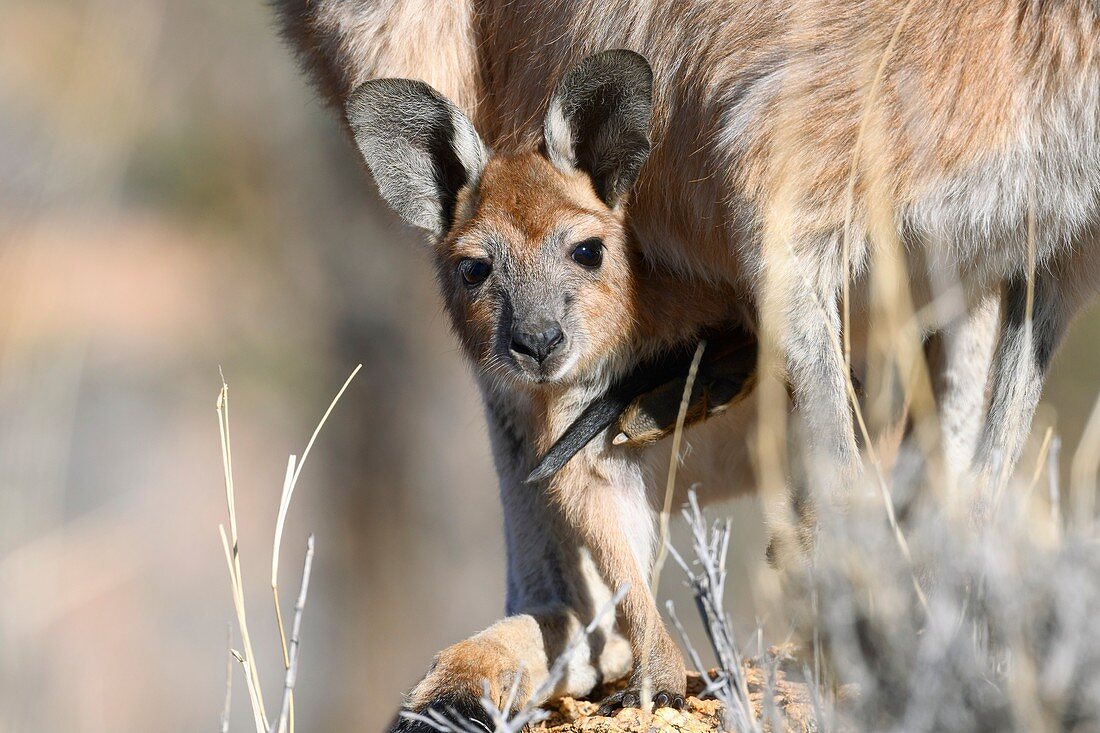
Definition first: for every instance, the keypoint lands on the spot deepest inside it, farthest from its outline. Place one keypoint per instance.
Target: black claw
(630, 699)
(665, 699)
(616, 702)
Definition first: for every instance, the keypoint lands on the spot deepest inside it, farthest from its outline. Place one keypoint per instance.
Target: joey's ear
(598, 121)
(420, 148)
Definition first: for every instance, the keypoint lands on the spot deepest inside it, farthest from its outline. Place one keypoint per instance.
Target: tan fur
(347, 43)
(964, 84)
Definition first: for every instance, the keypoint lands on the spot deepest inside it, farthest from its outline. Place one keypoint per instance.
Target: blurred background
(173, 197)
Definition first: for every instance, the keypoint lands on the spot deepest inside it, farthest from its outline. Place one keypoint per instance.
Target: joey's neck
(536, 417)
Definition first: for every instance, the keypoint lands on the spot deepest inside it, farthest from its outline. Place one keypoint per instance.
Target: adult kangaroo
(985, 134)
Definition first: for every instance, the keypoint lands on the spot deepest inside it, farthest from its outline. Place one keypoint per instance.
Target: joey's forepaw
(633, 699)
(727, 375)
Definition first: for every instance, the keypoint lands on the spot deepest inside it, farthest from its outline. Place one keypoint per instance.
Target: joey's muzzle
(536, 341)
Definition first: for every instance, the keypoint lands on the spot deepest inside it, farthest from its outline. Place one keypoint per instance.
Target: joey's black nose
(538, 345)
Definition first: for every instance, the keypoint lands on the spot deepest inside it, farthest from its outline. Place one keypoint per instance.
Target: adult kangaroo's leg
(804, 293)
(800, 300)
(554, 590)
(1019, 367)
(1061, 289)
(959, 357)
(960, 376)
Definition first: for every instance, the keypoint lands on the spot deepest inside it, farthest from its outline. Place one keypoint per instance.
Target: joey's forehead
(527, 200)
(522, 226)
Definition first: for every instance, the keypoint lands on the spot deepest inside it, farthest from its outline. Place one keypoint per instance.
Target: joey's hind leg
(554, 590)
(606, 503)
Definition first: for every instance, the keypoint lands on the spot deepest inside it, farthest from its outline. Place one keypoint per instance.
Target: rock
(793, 706)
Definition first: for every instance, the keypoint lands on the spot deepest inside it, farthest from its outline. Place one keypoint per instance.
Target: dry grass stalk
(233, 562)
(228, 679)
(1083, 471)
(257, 713)
(666, 508)
(673, 463)
(1041, 460)
(1054, 488)
(290, 481)
(285, 721)
(853, 172)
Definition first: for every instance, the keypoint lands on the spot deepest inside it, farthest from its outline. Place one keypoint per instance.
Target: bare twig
(718, 685)
(711, 545)
(228, 678)
(295, 641)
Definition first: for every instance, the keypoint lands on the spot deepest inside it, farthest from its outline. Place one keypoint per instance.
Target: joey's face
(531, 250)
(536, 272)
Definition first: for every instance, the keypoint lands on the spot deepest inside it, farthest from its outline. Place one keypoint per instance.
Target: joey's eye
(588, 253)
(474, 272)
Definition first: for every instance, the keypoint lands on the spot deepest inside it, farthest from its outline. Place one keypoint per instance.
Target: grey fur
(598, 121)
(420, 149)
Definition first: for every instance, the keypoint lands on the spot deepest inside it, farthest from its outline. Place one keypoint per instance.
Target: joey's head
(532, 251)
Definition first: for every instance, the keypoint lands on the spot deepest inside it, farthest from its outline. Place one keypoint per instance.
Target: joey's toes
(665, 699)
(632, 699)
